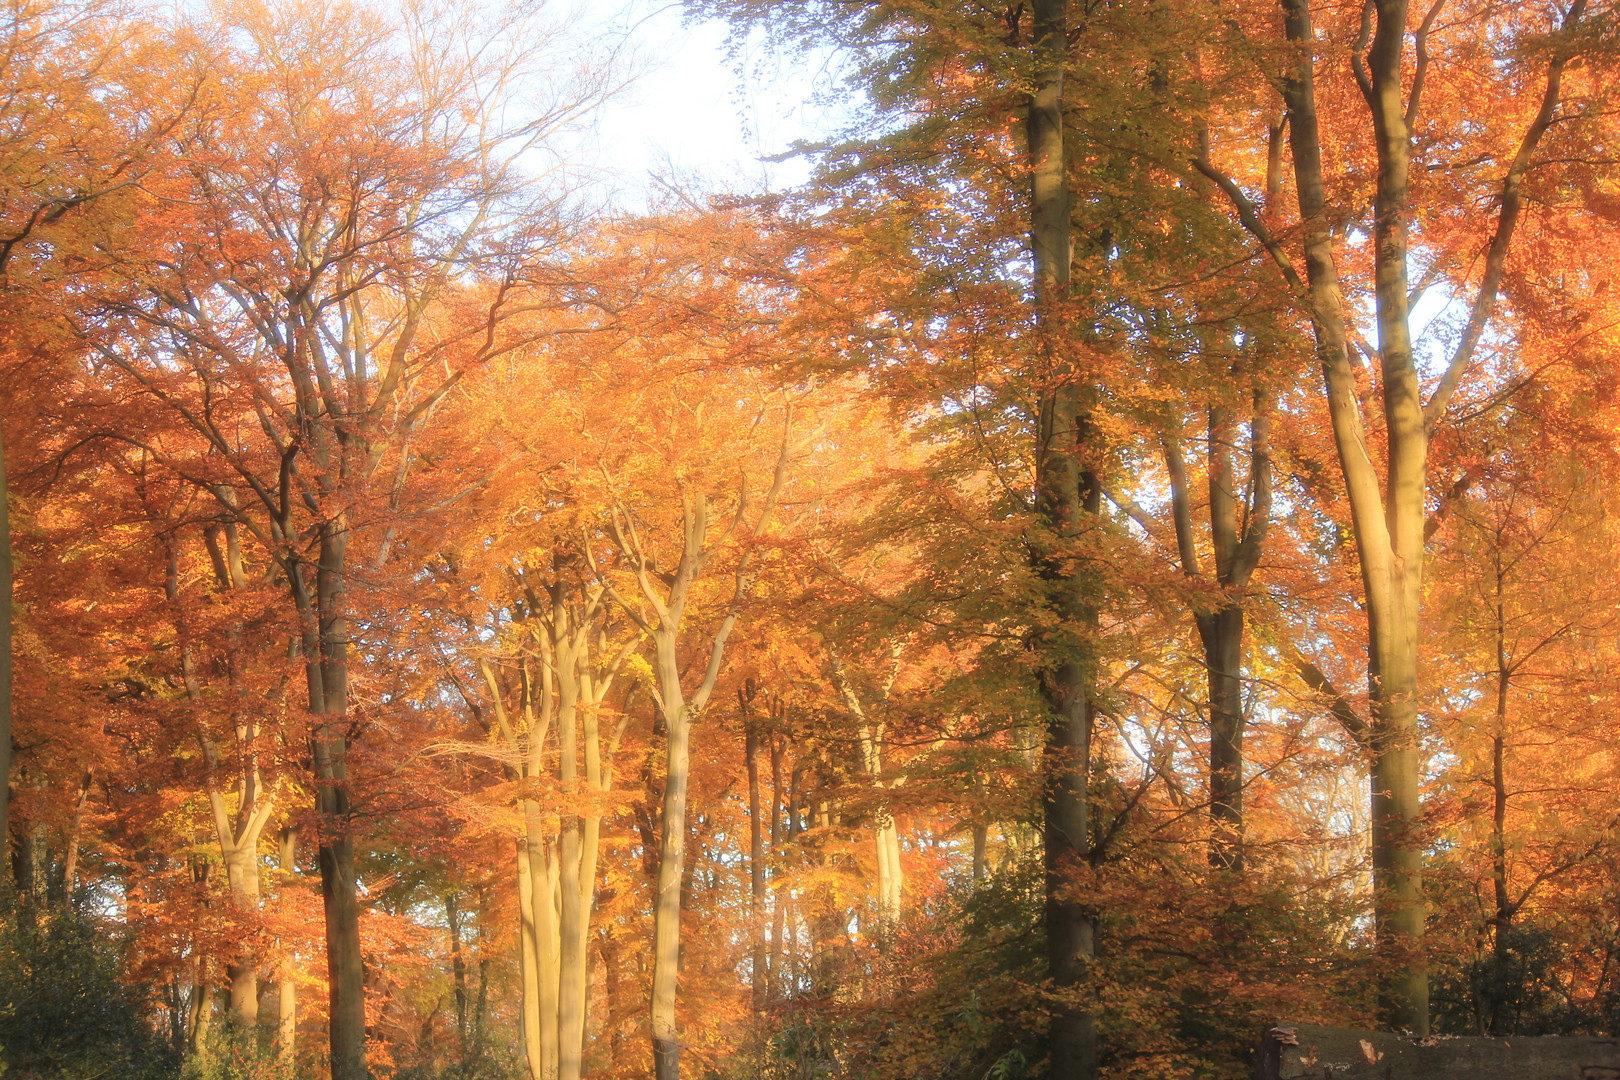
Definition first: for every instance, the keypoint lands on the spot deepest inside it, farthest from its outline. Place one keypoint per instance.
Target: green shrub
(64, 1013)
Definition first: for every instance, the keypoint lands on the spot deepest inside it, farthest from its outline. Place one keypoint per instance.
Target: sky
(691, 114)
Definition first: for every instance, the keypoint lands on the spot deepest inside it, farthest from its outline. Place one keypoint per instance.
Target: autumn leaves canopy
(1124, 553)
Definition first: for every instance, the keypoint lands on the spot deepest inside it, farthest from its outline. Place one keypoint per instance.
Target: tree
(1388, 500)
(333, 284)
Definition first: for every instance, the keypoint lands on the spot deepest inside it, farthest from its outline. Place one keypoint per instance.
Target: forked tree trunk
(663, 623)
(1066, 497)
(1387, 511)
(1237, 552)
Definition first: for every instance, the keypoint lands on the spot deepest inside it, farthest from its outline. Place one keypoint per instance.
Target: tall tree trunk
(458, 968)
(1395, 581)
(1387, 512)
(1065, 498)
(667, 905)
(572, 924)
(327, 669)
(1502, 922)
(5, 650)
(70, 861)
(779, 907)
(759, 971)
(287, 989)
(1222, 634)
(1388, 526)
(529, 952)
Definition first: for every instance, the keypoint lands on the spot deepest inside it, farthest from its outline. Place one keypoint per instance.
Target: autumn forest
(1124, 552)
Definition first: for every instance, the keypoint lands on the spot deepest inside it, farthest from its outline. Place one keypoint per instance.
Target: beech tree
(1388, 499)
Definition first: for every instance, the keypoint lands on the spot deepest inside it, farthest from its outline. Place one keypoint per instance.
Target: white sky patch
(693, 117)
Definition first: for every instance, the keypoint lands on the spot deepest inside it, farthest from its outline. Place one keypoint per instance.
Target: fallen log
(1312, 1052)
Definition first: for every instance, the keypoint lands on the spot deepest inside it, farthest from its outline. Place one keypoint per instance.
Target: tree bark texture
(287, 990)
(5, 650)
(1066, 496)
(1388, 525)
(326, 668)
(1236, 547)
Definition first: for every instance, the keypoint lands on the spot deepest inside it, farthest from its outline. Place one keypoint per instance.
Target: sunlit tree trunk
(660, 614)
(70, 860)
(1388, 509)
(528, 962)
(287, 989)
(573, 922)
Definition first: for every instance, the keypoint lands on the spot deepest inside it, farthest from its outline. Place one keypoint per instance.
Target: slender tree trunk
(667, 906)
(1502, 923)
(529, 952)
(774, 955)
(1066, 497)
(458, 968)
(287, 989)
(759, 970)
(326, 664)
(572, 924)
(1222, 635)
(70, 861)
(480, 1008)
(5, 649)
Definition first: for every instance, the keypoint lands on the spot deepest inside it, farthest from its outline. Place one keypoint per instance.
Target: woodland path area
(1313, 1052)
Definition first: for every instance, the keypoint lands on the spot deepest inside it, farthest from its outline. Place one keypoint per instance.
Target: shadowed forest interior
(1123, 553)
